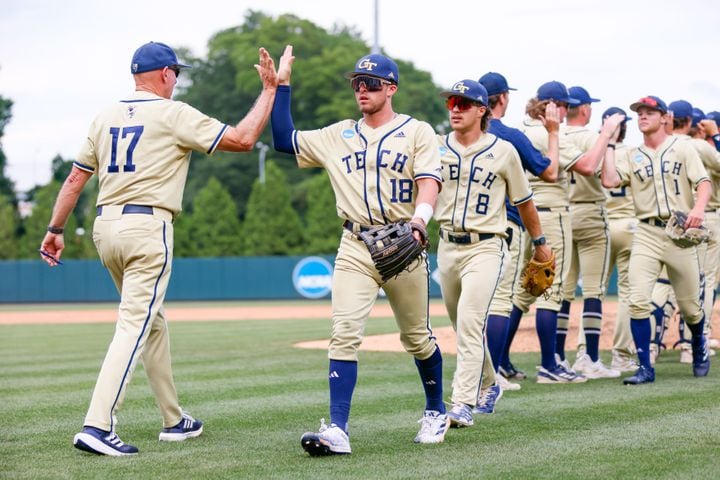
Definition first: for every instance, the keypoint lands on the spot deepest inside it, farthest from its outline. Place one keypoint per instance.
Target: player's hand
(285, 67)
(266, 70)
(542, 253)
(695, 218)
(416, 234)
(551, 119)
(611, 124)
(709, 126)
(53, 244)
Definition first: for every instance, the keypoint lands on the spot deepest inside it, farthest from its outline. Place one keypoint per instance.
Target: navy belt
(551, 209)
(354, 227)
(143, 209)
(465, 238)
(654, 221)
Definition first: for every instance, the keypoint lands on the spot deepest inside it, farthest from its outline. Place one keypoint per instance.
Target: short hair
(493, 100)
(681, 122)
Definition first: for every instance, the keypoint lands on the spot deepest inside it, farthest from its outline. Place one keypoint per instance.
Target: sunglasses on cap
(372, 84)
(461, 103)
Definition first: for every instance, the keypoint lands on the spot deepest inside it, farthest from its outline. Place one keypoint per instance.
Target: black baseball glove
(393, 247)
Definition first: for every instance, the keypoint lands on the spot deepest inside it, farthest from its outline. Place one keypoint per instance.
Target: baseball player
(622, 224)
(683, 118)
(499, 330)
(553, 207)
(662, 174)
(479, 171)
(384, 167)
(590, 244)
(140, 148)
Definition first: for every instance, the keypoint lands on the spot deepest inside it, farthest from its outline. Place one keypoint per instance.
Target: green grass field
(257, 395)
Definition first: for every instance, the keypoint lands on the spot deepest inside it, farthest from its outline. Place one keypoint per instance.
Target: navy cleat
(188, 427)
(701, 357)
(102, 442)
(642, 375)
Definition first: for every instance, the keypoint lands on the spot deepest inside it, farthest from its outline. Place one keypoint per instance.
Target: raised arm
(245, 134)
(551, 122)
(589, 162)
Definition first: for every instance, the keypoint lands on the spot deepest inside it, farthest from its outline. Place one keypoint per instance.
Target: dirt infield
(525, 340)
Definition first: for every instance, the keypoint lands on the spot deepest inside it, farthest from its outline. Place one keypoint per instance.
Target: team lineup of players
(506, 195)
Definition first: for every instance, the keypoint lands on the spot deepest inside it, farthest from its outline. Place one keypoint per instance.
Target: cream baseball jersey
(579, 140)
(372, 170)
(709, 156)
(547, 194)
(140, 149)
(476, 180)
(619, 200)
(662, 180)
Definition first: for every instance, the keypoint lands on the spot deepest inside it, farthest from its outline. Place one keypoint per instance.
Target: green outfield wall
(227, 278)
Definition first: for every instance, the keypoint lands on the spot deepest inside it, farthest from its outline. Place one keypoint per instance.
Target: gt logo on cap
(366, 64)
(460, 87)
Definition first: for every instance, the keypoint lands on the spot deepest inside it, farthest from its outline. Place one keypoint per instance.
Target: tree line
(227, 211)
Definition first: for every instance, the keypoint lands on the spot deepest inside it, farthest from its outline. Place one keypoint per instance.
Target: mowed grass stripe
(258, 394)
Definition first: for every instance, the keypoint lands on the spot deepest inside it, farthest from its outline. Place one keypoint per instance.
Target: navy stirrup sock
(342, 378)
(496, 334)
(563, 318)
(546, 327)
(515, 317)
(430, 371)
(640, 328)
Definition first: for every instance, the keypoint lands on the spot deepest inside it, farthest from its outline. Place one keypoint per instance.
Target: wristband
(56, 230)
(424, 211)
(539, 241)
(611, 145)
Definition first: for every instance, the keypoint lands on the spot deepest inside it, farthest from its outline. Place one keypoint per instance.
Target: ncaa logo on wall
(312, 277)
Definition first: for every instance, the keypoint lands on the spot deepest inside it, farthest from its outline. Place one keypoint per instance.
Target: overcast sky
(62, 61)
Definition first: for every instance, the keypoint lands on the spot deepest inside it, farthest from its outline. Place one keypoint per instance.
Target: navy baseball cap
(494, 83)
(681, 109)
(555, 91)
(614, 110)
(469, 89)
(582, 95)
(376, 65)
(714, 115)
(651, 101)
(153, 56)
(697, 116)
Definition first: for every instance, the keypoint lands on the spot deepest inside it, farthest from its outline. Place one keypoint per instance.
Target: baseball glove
(684, 237)
(393, 247)
(537, 277)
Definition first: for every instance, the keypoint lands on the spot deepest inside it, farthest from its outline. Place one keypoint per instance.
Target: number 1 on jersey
(115, 132)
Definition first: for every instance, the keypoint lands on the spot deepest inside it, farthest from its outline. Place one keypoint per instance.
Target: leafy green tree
(86, 212)
(35, 225)
(215, 226)
(272, 226)
(225, 86)
(323, 227)
(6, 185)
(8, 229)
(184, 246)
